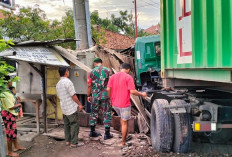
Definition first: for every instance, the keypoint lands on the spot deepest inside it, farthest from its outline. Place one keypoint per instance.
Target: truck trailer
(194, 72)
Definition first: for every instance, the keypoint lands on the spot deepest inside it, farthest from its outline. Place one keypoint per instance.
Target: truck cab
(147, 62)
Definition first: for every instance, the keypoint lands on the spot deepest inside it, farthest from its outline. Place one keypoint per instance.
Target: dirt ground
(44, 146)
(47, 146)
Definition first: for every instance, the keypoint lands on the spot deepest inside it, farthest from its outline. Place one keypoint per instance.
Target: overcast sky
(148, 10)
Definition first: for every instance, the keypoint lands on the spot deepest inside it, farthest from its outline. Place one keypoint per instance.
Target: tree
(55, 30)
(67, 29)
(30, 23)
(97, 25)
(122, 24)
(122, 21)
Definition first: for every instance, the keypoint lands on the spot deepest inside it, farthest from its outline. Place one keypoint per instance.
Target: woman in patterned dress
(9, 119)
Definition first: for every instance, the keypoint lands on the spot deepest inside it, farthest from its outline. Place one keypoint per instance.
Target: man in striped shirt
(69, 104)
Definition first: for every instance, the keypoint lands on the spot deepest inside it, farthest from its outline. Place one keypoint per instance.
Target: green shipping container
(196, 37)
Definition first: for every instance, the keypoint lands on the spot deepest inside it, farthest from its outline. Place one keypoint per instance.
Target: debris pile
(140, 145)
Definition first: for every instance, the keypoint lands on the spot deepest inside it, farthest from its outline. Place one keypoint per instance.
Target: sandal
(126, 146)
(76, 145)
(67, 143)
(13, 154)
(19, 148)
(129, 144)
(128, 138)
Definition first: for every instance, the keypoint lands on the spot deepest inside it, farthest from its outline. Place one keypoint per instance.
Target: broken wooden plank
(116, 54)
(72, 58)
(137, 103)
(142, 124)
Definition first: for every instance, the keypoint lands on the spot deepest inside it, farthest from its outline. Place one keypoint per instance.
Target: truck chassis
(178, 116)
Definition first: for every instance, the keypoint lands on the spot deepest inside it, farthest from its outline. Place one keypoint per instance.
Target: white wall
(30, 83)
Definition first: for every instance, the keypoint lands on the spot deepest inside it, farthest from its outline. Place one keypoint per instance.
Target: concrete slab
(28, 137)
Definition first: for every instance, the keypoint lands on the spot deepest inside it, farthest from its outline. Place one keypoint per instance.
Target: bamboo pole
(2, 138)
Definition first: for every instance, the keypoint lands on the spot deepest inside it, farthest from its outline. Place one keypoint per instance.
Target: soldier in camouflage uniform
(97, 86)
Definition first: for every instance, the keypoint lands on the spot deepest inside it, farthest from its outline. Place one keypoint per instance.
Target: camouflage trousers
(106, 108)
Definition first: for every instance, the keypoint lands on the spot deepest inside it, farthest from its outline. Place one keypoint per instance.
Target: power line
(152, 5)
(157, 3)
(143, 6)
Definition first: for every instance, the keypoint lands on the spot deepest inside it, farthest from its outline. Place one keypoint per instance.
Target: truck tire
(183, 130)
(161, 126)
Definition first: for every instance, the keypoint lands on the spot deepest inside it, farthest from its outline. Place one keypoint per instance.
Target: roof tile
(153, 29)
(117, 41)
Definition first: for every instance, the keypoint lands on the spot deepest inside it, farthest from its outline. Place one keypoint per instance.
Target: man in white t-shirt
(69, 105)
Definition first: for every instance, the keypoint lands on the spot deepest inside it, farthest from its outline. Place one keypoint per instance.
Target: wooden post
(37, 116)
(56, 117)
(43, 70)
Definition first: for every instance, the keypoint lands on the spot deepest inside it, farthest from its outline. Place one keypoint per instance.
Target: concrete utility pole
(82, 24)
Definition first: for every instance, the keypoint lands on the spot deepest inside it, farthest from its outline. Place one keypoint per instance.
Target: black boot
(108, 135)
(93, 133)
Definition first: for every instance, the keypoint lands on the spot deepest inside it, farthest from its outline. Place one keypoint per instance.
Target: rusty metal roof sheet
(44, 43)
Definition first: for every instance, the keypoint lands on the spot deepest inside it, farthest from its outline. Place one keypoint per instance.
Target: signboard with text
(41, 55)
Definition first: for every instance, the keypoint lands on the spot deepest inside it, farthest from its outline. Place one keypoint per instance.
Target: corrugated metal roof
(44, 43)
(36, 54)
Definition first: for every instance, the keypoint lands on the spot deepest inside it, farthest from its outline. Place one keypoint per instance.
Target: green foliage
(5, 69)
(63, 29)
(32, 24)
(98, 35)
(27, 25)
(68, 29)
(4, 45)
(122, 24)
(96, 27)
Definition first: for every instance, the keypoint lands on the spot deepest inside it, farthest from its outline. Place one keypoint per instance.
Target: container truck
(195, 69)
